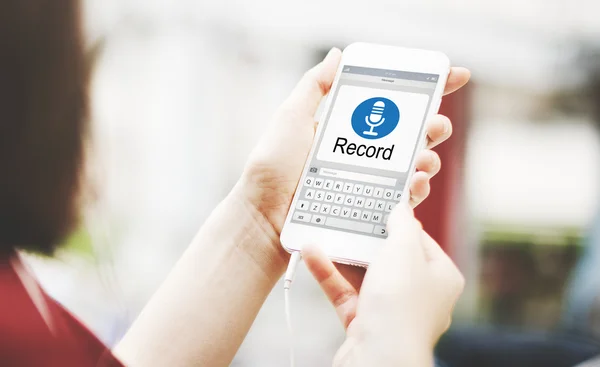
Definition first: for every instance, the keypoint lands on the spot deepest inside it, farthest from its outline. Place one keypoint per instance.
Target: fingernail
(446, 127)
(432, 158)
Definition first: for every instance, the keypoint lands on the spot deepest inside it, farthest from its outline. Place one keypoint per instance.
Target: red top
(36, 331)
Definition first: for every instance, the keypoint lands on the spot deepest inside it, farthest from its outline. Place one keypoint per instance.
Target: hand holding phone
(405, 303)
(366, 149)
(275, 166)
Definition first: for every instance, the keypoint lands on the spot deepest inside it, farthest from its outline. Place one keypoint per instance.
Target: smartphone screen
(362, 159)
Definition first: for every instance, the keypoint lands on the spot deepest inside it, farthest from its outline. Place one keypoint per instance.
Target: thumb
(401, 257)
(314, 85)
(403, 227)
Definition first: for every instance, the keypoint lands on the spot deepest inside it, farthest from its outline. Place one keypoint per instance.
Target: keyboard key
(318, 219)
(338, 186)
(376, 218)
(349, 200)
(318, 182)
(302, 205)
(320, 195)
(355, 214)
(388, 194)
(348, 188)
(397, 195)
(385, 218)
(390, 206)
(358, 189)
(328, 185)
(378, 192)
(308, 181)
(325, 209)
(349, 225)
(339, 198)
(309, 194)
(329, 197)
(369, 203)
(346, 212)
(302, 217)
(380, 230)
(366, 216)
(359, 202)
(314, 207)
(368, 191)
(335, 210)
(380, 205)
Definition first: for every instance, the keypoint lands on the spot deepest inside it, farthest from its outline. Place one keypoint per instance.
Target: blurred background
(183, 89)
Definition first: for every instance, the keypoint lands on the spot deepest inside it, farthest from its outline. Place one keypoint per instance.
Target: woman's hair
(43, 113)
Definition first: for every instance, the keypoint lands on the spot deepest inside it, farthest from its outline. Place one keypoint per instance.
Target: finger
(315, 84)
(448, 269)
(338, 290)
(404, 231)
(449, 278)
(419, 188)
(432, 249)
(457, 78)
(444, 267)
(429, 162)
(401, 256)
(439, 129)
(353, 274)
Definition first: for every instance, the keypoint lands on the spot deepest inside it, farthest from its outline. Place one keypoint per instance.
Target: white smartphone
(363, 155)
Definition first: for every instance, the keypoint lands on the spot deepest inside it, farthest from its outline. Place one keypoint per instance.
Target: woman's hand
(274, 168)
(224, 277)
(405, 303)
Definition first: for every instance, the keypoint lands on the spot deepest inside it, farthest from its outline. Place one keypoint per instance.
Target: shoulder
(37, 331)
(21, 325)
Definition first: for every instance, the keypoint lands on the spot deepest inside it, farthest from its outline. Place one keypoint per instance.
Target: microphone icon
(376, 118)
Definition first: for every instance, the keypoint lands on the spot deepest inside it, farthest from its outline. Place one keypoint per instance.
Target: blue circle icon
(375, 118)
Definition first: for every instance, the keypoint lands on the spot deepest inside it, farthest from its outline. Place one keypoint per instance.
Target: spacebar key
(350, 225)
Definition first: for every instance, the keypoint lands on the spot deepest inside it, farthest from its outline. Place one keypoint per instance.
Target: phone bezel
(349, 248)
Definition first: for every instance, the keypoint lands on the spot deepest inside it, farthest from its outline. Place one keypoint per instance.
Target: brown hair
(43, 109)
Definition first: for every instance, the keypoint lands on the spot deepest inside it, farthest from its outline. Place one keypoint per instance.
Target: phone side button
(349, 225)
(302, 217)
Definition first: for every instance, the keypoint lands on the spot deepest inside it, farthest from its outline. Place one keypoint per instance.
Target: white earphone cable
(287, 283)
